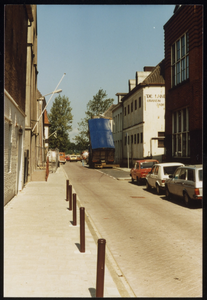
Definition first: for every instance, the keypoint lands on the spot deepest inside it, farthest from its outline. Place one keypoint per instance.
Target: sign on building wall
(158, 98)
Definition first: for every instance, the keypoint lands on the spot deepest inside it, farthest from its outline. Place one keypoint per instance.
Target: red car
(141, 169)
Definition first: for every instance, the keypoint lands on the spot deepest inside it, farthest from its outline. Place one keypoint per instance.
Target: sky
(98, 47)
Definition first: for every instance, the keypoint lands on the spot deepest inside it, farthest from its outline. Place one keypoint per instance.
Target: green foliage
(94, 107)
(60, 118)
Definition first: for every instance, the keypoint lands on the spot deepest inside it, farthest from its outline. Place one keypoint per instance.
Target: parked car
(141, 169)
(67, 157)
(186, 182)
(73, 157)
(160, 172)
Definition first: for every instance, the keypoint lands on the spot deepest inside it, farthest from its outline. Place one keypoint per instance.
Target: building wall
(15, 52)
(117, 133)
(188, 93)
(14, 123)
(143, 124)
(16, 17)
(154, 121)
(31, 105)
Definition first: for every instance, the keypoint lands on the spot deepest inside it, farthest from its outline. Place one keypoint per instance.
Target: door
(19, 163)
(172, 185)
(151, 176)
(180, 182)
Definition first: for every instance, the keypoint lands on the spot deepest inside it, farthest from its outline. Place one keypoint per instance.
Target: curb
(122, 284)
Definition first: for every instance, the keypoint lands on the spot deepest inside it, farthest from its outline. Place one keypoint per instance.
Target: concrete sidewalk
(41, 246)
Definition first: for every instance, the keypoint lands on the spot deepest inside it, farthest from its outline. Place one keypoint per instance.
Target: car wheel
(138, 181)
(158, 189)
(167, 193)
(187, 200)
(132, 180)
(147, 186)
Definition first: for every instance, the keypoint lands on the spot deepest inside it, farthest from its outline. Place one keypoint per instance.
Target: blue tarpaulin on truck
(100, 133)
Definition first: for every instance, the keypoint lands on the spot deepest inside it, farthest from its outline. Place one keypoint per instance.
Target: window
(128, 139)
(176, 176)
(156, 170)
(200, 175)
(137, 138)
(169, 170)
(131, 139)
(140, 101)
(180, 60)
(125, 110)
(147, 165)
(182, 174)
(180, 133)
(141, 139)
(128, 109)
(161, 143)
(191, 175)
(132, 107)
(125, 140)
(161, 134)
(153, 169)
(135, 104)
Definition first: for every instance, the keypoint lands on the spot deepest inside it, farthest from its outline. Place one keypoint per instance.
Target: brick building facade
(183, 84)
(20, 100)
(16, 21)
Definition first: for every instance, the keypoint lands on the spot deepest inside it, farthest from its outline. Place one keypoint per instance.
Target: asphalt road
(156, 243)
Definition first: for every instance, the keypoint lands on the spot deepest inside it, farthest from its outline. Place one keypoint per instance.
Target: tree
(94, 107)
(60, 118)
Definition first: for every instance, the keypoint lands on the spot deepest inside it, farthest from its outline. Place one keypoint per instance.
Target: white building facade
(144, 119)
(117, 128)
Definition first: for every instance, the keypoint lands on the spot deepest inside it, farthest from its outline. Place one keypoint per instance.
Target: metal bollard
(82, 229)
(74, 210)
(100, 268)
(70, 196)
(67, 184)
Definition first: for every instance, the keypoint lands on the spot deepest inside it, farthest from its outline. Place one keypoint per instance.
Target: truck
(101, 149)
(62, 158)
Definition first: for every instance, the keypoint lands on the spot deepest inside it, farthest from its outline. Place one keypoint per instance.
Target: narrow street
(157, 244)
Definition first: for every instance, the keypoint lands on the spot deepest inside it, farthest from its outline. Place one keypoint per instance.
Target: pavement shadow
(78, 246)
(92, 292)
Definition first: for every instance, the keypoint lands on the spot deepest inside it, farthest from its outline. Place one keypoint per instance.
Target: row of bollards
(101, 242)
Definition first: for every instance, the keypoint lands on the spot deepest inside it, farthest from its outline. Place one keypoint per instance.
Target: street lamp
(48, 101)
(42, 98)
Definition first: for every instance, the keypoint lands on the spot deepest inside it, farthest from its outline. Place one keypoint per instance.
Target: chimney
(132, 84)
(148, 69)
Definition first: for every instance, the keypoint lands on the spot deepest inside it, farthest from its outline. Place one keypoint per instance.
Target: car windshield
(200, 175)
(146, 165)
(170, 170)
